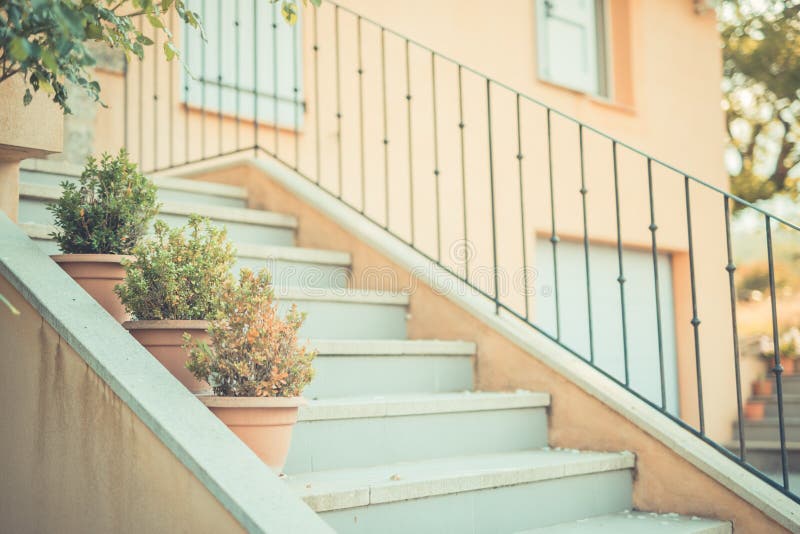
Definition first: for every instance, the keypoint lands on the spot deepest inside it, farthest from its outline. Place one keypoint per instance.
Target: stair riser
(243, 232)
(768, 432)
(164, 195)
(340, 376)
(295, 274)
(284, 274)
(362, 442)
(790, 409)
(493, 511)
(31, 210)
(350, 320)
(769, 461)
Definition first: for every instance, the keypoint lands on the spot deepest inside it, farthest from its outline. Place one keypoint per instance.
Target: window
(571, 44)
(262, 58)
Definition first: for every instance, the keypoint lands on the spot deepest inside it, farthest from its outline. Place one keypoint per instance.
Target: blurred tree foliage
(761, 50)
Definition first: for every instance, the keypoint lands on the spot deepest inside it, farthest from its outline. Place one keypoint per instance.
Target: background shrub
(178, 273)
(108, 211)
(254, 352)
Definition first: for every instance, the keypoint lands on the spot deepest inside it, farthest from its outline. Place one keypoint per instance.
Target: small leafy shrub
(253, 352)
(179, 273)
(108, 212)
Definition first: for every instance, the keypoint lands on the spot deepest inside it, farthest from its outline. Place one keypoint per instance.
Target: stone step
(492, 493)
(791, 384)
(243, 225)
(169, 189)
(767, 429)
(290, 266)
(360, 432)
(791, 405)
(765, 454)
(347, 313)
(365, 367)
(628, 522)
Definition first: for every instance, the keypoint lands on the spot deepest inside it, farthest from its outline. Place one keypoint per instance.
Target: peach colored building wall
(75, 457)
(664, 70)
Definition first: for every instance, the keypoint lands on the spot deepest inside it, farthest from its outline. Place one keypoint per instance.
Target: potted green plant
(172, 287)
(255, 365)
(99, 221)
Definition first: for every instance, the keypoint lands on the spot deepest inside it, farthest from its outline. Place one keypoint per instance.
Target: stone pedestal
(25, 132)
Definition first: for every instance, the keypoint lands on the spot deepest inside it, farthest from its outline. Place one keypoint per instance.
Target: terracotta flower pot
(789, 365)
(164, 340)
(754, 410)
(264, 423)
(97, 274)
(762, 388)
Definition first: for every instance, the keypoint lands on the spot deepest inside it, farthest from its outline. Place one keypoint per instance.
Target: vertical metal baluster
(524, 231)
(126, 105)
(236, 74)
(584, 191)
(410, 144)
(361, 117)
(491, 195)
(695, 322)
(185, 41)
(436, 161)
(385, 129)
(778, 369)
(295, 94)
(203, 91)
(731, 268)
(255, 79)
(155, 100)
(275, 86)
(654, 249)
(171, 102)
(621, 277)
(219, 76)
(553, 235)
(461, 125)
(141, 104)
(338, 100)
(316, 97)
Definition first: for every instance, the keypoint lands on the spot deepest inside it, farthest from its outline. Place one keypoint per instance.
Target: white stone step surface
(290, 266)
(243, 225)
(628, 522)
(347, 313)
(43, 172)
(488, 493)
(359, 432)
(373, 367)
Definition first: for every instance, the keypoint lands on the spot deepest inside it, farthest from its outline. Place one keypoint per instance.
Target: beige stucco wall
(664, 481)
(665, 71)
(74, 457)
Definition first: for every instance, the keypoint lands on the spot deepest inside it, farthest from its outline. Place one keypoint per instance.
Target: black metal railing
(468, 171)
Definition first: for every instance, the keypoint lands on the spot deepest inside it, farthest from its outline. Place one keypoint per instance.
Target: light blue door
(640, 304)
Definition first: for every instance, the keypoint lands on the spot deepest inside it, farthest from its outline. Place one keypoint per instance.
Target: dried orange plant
(254, 352)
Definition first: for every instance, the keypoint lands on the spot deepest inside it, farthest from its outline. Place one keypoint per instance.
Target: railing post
(621, 278)
(695, 322)
(554, 239)
(491, 191)
(656, 283)
(778, 369)
(584, 191)
(523, 228)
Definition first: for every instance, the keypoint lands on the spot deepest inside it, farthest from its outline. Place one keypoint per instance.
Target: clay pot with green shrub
(255, 366)
(99, 221)
(172, 288)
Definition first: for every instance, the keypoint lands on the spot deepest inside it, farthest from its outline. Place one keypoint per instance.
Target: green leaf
(170, 51)
(289, 12)
(28, 97)
(20, 49)
(155, 21)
